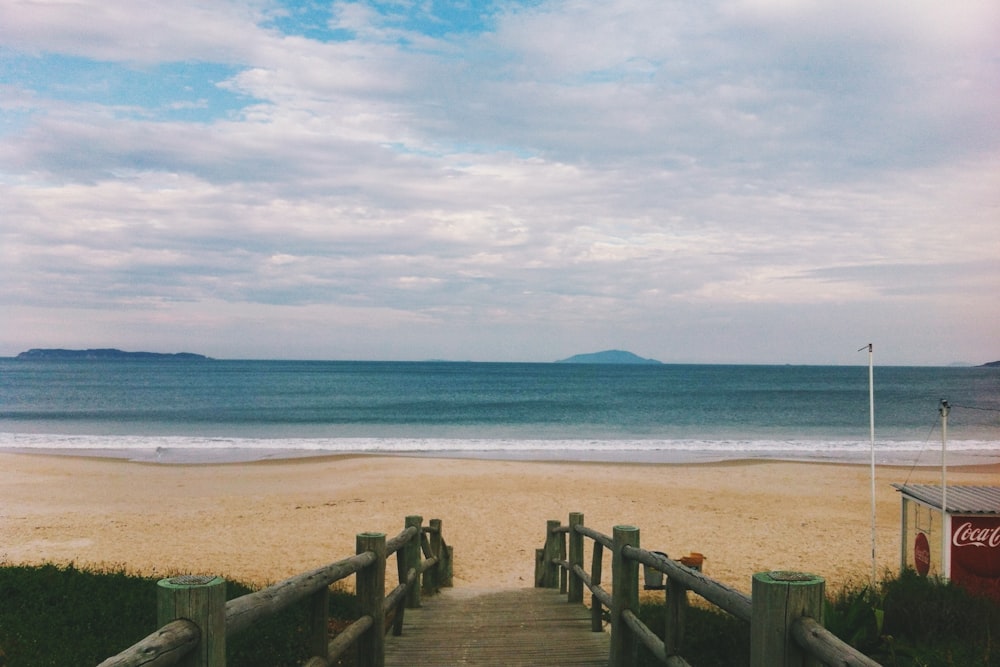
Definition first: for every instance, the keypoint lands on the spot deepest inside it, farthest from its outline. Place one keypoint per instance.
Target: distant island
(991, 364)
(608, 357)
(105, 354)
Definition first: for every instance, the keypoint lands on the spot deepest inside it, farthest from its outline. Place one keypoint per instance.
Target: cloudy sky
(760, 181)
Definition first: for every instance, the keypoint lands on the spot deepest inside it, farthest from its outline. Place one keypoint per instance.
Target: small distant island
(991, 364)
(37, 354)
(608, 357)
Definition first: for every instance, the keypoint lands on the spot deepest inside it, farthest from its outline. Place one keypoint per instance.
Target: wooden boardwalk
(511, 628)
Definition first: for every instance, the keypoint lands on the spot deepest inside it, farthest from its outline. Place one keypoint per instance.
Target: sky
(721, 181)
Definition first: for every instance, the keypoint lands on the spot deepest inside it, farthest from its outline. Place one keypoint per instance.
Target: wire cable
(975, 407)
(921, 452)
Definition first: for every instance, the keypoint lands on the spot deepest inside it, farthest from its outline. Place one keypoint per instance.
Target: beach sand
(263, 522)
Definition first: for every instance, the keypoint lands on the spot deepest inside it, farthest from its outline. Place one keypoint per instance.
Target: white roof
(961, 499)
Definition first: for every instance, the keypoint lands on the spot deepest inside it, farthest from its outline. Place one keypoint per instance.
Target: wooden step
(510, 628)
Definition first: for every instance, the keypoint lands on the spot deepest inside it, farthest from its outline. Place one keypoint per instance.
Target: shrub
(52, 615)
(935, 623)
(906, 621)
(712, 637)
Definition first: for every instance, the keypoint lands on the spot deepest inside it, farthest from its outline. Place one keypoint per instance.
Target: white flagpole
(871, 428)
(945, 537)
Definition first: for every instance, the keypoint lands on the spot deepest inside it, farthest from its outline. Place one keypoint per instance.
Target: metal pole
(871, 428)
(945, 538)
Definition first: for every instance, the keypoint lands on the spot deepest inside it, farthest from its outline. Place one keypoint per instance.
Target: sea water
(225, 410)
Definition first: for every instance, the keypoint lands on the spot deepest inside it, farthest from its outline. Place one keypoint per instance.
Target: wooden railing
(195, 618)
(785, 611)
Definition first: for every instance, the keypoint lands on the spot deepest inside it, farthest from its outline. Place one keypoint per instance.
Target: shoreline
(264, 521)
(244, 455)
(967, 464)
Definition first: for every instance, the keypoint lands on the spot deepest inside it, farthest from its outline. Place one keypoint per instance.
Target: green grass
(64, 616)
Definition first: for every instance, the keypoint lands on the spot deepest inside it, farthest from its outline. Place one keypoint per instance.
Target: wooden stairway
(510, 628)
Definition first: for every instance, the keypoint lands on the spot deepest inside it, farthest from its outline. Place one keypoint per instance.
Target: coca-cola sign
(968, 535)
(975, 545)
(922, 554)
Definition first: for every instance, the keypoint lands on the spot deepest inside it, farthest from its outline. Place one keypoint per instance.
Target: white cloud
(138, 31)
(584, 168)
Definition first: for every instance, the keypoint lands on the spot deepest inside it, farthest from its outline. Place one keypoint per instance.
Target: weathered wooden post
(624, 596)
(551, 570)
(319, 623)
(596, 567)
(778, 599)
(427, 580)
(449, 569)
(575, 557)
(407, 559)
(411, 561)
(675, 616)
(201, 600)
(437, 549)
(563, 572)
(370, 590)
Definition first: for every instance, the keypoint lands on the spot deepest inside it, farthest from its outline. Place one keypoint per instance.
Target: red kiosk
(960, 543)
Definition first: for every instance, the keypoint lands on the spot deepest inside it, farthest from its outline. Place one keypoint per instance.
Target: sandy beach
(263, 522)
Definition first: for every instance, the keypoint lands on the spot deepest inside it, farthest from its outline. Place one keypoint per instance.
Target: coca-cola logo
(967, 535)
(975, 545)
(922, 555)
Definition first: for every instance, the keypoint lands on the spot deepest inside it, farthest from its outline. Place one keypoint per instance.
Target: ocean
(180, 411)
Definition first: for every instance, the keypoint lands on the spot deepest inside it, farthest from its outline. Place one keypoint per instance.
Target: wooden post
(575, 557)
(624, 595)
(779, 598)
(407, 558)
(540, 568)
(411, 560)
(675, 616)
(370, 590)
(563, 572)
(319, 623)
(449, 570)
(427, 578)
(551, 577)
(201, 600)
(438, 552)
(596, 566)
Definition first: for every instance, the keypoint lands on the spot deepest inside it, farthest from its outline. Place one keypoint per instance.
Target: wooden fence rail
(785, 611)
(195, 619)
